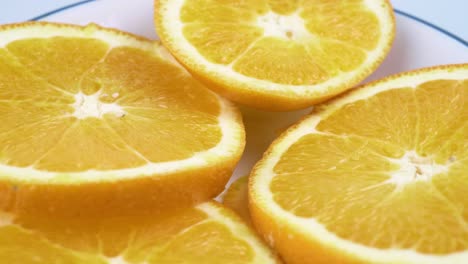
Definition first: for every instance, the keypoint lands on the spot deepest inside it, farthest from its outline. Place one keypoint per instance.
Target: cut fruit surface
(207, 233)
(236, 198)
(105, 119)
(378, 175)
(277, 55)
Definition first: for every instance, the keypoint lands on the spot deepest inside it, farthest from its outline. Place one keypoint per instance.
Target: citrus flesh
(84, 109)
(207, 233)
(236, 198)
(378, 175)
(277, 55)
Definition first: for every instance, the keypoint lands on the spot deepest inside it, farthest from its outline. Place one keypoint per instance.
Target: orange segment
(385, 210)
(122, 113)
(408, 117)
(263, 61)
(207, 233)
(452, 189)
(284, 7)
(351, 23)
(59, 60)
(142, 133)
(335, 57)
(236, 198)
(215, 43)
(95, 146)
(114, 236)
(454, 149)
(234, 249)
(134, 71)
(394, 121)
(277, 54)
(221, 12)
(17, 83)
(24, 143)
(332, 153)
(440, 119)
(133, 83)
(39, 250)
(380, 172)
(339, 166)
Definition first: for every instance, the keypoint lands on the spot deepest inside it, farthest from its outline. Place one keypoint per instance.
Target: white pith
(90, 106)
(414, 168)
(231, 130)
(310, 227)
(283, 26)
(191, 57)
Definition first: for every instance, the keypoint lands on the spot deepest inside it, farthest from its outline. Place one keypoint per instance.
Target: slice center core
(90, 106)
(290, 27)
(415, 168)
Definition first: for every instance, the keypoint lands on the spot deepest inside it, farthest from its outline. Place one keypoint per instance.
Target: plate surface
(428, 33)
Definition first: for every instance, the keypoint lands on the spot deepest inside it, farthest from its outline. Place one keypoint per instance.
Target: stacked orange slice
(95, 120)
(378, 175)
(277, 55)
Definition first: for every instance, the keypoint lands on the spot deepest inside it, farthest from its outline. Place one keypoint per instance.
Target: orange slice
(277, 55)
(378, 175)
(207, 233)
(236, 198)
(96, 120)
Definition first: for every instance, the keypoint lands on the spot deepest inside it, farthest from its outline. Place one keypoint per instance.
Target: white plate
(417, 44)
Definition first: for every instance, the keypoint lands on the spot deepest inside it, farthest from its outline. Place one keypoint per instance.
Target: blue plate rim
(397, 11)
